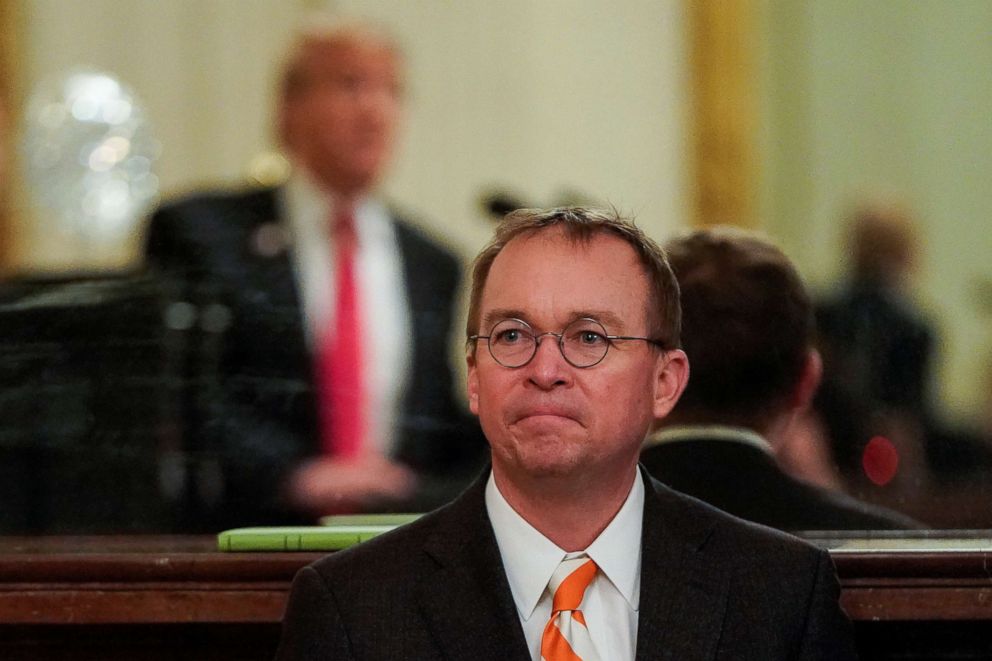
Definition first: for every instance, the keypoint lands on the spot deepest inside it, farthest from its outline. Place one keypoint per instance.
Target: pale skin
(339, 127)
(565, 441)
(778, 431)
(340, 124)
(799, 445)
(325, 485)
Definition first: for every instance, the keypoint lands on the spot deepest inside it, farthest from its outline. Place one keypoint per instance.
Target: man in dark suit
(565, 549)
(293, 284)
(748, 331)
(879, 352)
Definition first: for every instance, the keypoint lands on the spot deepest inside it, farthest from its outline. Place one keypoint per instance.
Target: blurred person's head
(340, 103)
(883, 244)
(747, 327)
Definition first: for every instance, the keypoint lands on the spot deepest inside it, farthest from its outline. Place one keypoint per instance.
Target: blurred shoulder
(220, 203)
(416, 239)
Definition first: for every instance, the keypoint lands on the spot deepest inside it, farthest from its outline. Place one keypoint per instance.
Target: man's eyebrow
(608, 319)
(605, 317)
(493, 317)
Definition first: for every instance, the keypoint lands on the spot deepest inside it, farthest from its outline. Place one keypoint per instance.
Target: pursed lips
(549, 411)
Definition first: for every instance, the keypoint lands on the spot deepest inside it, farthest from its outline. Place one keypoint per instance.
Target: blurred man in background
(747, 327)
(877, 345)
(321, 381)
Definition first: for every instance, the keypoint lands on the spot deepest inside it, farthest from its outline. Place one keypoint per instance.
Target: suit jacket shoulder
(420, 243)
(716, 587)
(432, 273)
(188, 225)
(433, 589)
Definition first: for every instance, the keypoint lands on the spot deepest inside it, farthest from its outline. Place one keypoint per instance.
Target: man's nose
(548, 367)
(378, 100)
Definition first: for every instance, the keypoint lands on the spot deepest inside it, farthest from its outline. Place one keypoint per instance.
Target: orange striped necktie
(566, 637)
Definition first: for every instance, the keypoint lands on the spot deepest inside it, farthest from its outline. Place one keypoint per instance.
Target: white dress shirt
(611, 602)
(382, 292)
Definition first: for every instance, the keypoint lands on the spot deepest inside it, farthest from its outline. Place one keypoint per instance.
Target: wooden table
(177, 598)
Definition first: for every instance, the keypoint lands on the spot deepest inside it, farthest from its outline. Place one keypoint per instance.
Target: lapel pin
(269, 240)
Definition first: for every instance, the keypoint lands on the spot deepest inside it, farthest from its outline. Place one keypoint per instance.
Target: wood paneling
(176, 597)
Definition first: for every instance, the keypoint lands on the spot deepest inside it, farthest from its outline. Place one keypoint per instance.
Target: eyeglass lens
(583, 343)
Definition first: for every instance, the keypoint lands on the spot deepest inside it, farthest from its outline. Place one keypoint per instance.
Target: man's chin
(551, 459)
(546, 427)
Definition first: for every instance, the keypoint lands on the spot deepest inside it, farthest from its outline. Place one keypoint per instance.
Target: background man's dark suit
(250, 399)
(745, 481)
(878, 353)
(436, 589)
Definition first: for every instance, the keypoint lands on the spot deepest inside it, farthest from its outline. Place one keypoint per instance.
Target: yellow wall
(866, 96)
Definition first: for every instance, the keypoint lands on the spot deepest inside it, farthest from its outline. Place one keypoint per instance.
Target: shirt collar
(530, 558)
(612, 550)
(709, 432)
(309, 208)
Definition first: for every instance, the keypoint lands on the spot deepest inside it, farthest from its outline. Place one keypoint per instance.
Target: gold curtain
(723, 120)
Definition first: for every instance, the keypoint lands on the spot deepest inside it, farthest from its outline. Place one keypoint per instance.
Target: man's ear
(670, 380)
(472, 382)
(809, 380)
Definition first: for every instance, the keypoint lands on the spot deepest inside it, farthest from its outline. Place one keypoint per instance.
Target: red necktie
(341, 356)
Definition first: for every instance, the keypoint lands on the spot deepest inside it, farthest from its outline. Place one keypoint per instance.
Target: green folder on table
(336, 533)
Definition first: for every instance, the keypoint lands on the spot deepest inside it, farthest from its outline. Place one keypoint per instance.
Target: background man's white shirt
(385, 309)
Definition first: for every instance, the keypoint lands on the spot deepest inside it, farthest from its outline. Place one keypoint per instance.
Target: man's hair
(747, 326)
(322, 28)
(883, 242)
(581, 225)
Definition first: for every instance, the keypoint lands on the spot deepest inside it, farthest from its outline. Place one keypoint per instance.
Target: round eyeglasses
(583, 343)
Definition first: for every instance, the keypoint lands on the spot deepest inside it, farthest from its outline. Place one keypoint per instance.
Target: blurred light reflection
(90, 154)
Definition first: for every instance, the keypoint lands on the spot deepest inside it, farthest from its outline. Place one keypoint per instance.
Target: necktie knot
(343, 225)
(569, 582)
(566, 637)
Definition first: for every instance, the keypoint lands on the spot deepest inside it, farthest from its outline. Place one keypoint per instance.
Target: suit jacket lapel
(683, 597)
(269, 246)
(265, 293)
(467, 601)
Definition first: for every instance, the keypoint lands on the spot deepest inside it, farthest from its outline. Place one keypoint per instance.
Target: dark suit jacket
(250, 408)
(879, 345)
(712, 587)
(878, 359)
(745, 481)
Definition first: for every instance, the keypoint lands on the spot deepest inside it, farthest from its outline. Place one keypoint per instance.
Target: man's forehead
(608, 318)
(346, 50)
(585, 252)
(348, 41)
(599, 277)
